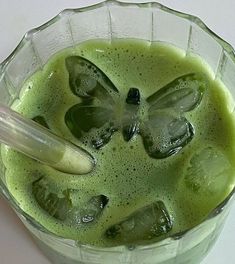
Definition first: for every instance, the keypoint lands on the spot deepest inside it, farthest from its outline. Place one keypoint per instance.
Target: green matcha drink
(159, 127)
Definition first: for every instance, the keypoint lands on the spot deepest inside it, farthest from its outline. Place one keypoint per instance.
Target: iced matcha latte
(160, 130)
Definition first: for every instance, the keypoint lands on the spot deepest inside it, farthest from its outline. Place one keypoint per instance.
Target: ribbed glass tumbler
(111, 20)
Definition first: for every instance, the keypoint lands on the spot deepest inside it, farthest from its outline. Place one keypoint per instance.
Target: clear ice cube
(144, 224)
(166, 131)
(92, 119)
(208, 171)
(164, 134)
(86, 80)
(130, 122)
(82, 119)
(59, 204)
(88, 213)
(55, 204)
(182, 94)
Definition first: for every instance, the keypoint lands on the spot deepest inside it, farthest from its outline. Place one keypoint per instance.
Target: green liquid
(125, 173)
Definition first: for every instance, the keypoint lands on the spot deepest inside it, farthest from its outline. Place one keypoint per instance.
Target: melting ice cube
(59, 204)
(88, 213)
(208, 171)
(144, 224)
(55, 204)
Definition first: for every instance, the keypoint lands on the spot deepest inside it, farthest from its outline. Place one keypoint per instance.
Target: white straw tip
(76, 161)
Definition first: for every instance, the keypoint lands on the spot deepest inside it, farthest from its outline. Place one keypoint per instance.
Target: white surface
(18, 16)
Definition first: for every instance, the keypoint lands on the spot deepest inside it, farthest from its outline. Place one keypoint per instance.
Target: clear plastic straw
(37, 142)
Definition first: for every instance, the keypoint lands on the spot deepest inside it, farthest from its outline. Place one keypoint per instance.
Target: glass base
(59, 252)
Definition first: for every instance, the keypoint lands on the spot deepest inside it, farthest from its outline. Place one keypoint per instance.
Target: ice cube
(183, 94)
(208, 171)
(147, 223)
(59, 204)
(87, 80)
(133, 96)
(92, 119)
(166, 131)
(104, 137)
(164, 134)
(88, 213)
(130, 122)
(91, 122)
(55, 204)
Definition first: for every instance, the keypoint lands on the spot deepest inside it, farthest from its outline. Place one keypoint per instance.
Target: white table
(18, 16)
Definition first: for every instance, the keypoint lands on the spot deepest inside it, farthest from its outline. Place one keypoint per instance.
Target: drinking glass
(115, 20)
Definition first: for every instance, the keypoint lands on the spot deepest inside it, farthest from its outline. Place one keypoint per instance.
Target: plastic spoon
(37, 142)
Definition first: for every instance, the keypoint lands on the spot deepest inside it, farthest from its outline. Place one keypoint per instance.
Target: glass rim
(27, 37)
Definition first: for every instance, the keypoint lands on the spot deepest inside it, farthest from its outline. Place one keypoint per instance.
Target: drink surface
(130, 108)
